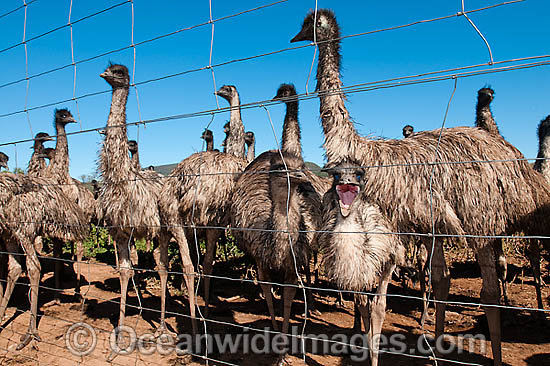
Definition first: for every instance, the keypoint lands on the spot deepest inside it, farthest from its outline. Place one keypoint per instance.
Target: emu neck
(337, 127)
(59, 166)
(251, 152)
(135, 160)
(543, 166)
(36, 165)
(235, 140)
(115, 162)
(279, 196)
(291, 131)
(210, 145)
(484, 119)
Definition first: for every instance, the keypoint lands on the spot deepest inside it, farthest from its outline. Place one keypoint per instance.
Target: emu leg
(289, 292)
(441, 282)
(14, 271)
(212, 237)
(3, 267)
(58, 267)
(501, 266)
(490, 294)
(378, 313)
(161, 258)
(422, 265)
(266, 288)
(125, 271)
(33, 270)
(534, 258)
(188, 270)
(78, 264)
(356, 318)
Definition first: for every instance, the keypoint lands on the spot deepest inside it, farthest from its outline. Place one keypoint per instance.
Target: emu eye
(336, 176)
(359, 177)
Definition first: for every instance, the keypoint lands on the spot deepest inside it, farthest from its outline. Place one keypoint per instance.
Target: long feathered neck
(115, 162)
(235, 140)
(59, 166)
(36, 165)
(337, 127)
(251, 152)
(484, 118)
(135, 160)
(210, 145)
(543, 166)
(291, 142)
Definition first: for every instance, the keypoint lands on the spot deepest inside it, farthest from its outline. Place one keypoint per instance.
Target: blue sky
(513, 31)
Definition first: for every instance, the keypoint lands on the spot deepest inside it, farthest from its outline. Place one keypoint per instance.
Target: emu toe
(27, 338)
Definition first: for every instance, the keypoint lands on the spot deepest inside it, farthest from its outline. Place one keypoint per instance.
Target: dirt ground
(526, 338)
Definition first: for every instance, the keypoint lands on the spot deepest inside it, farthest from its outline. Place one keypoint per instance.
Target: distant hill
(164, 169)
(315, 169)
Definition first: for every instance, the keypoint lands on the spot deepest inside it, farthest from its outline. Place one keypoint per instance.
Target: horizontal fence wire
(427, 77)
(363, 87)
(208, 67)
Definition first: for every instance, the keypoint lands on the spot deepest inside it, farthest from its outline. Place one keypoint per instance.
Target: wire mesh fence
(173, 63)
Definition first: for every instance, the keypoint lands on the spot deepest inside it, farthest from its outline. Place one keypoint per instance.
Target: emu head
(226, 128)
(207, 136)
(132, 146)
(485, 96)
(323, 23)
(228, 92)
(63, 117)
(42, 136)
(347, 182)
(285, 93)
(249, 138)
(117, 76)
(408, 130)
(4, 161)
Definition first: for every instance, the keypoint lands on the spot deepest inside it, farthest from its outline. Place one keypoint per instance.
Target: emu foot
(162, 330)
(77, 297)
(27, 338)
(283, 360)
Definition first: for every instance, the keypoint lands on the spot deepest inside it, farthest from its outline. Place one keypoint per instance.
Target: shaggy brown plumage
(260, 203)
(128, 198)
(58, 171)
(234, 142)
(250, 141)
(473, 198)
(32, 207)
(485, 121)
(359, 255)
(198, 192)
(37, 164)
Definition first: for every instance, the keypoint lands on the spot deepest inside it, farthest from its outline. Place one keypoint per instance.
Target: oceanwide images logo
(81, 340)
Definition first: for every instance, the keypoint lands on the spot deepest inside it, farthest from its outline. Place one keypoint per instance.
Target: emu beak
(70, 120)
(299, 37)
(4, 165)
(105, 74)
(346, 195)
(41, 156)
